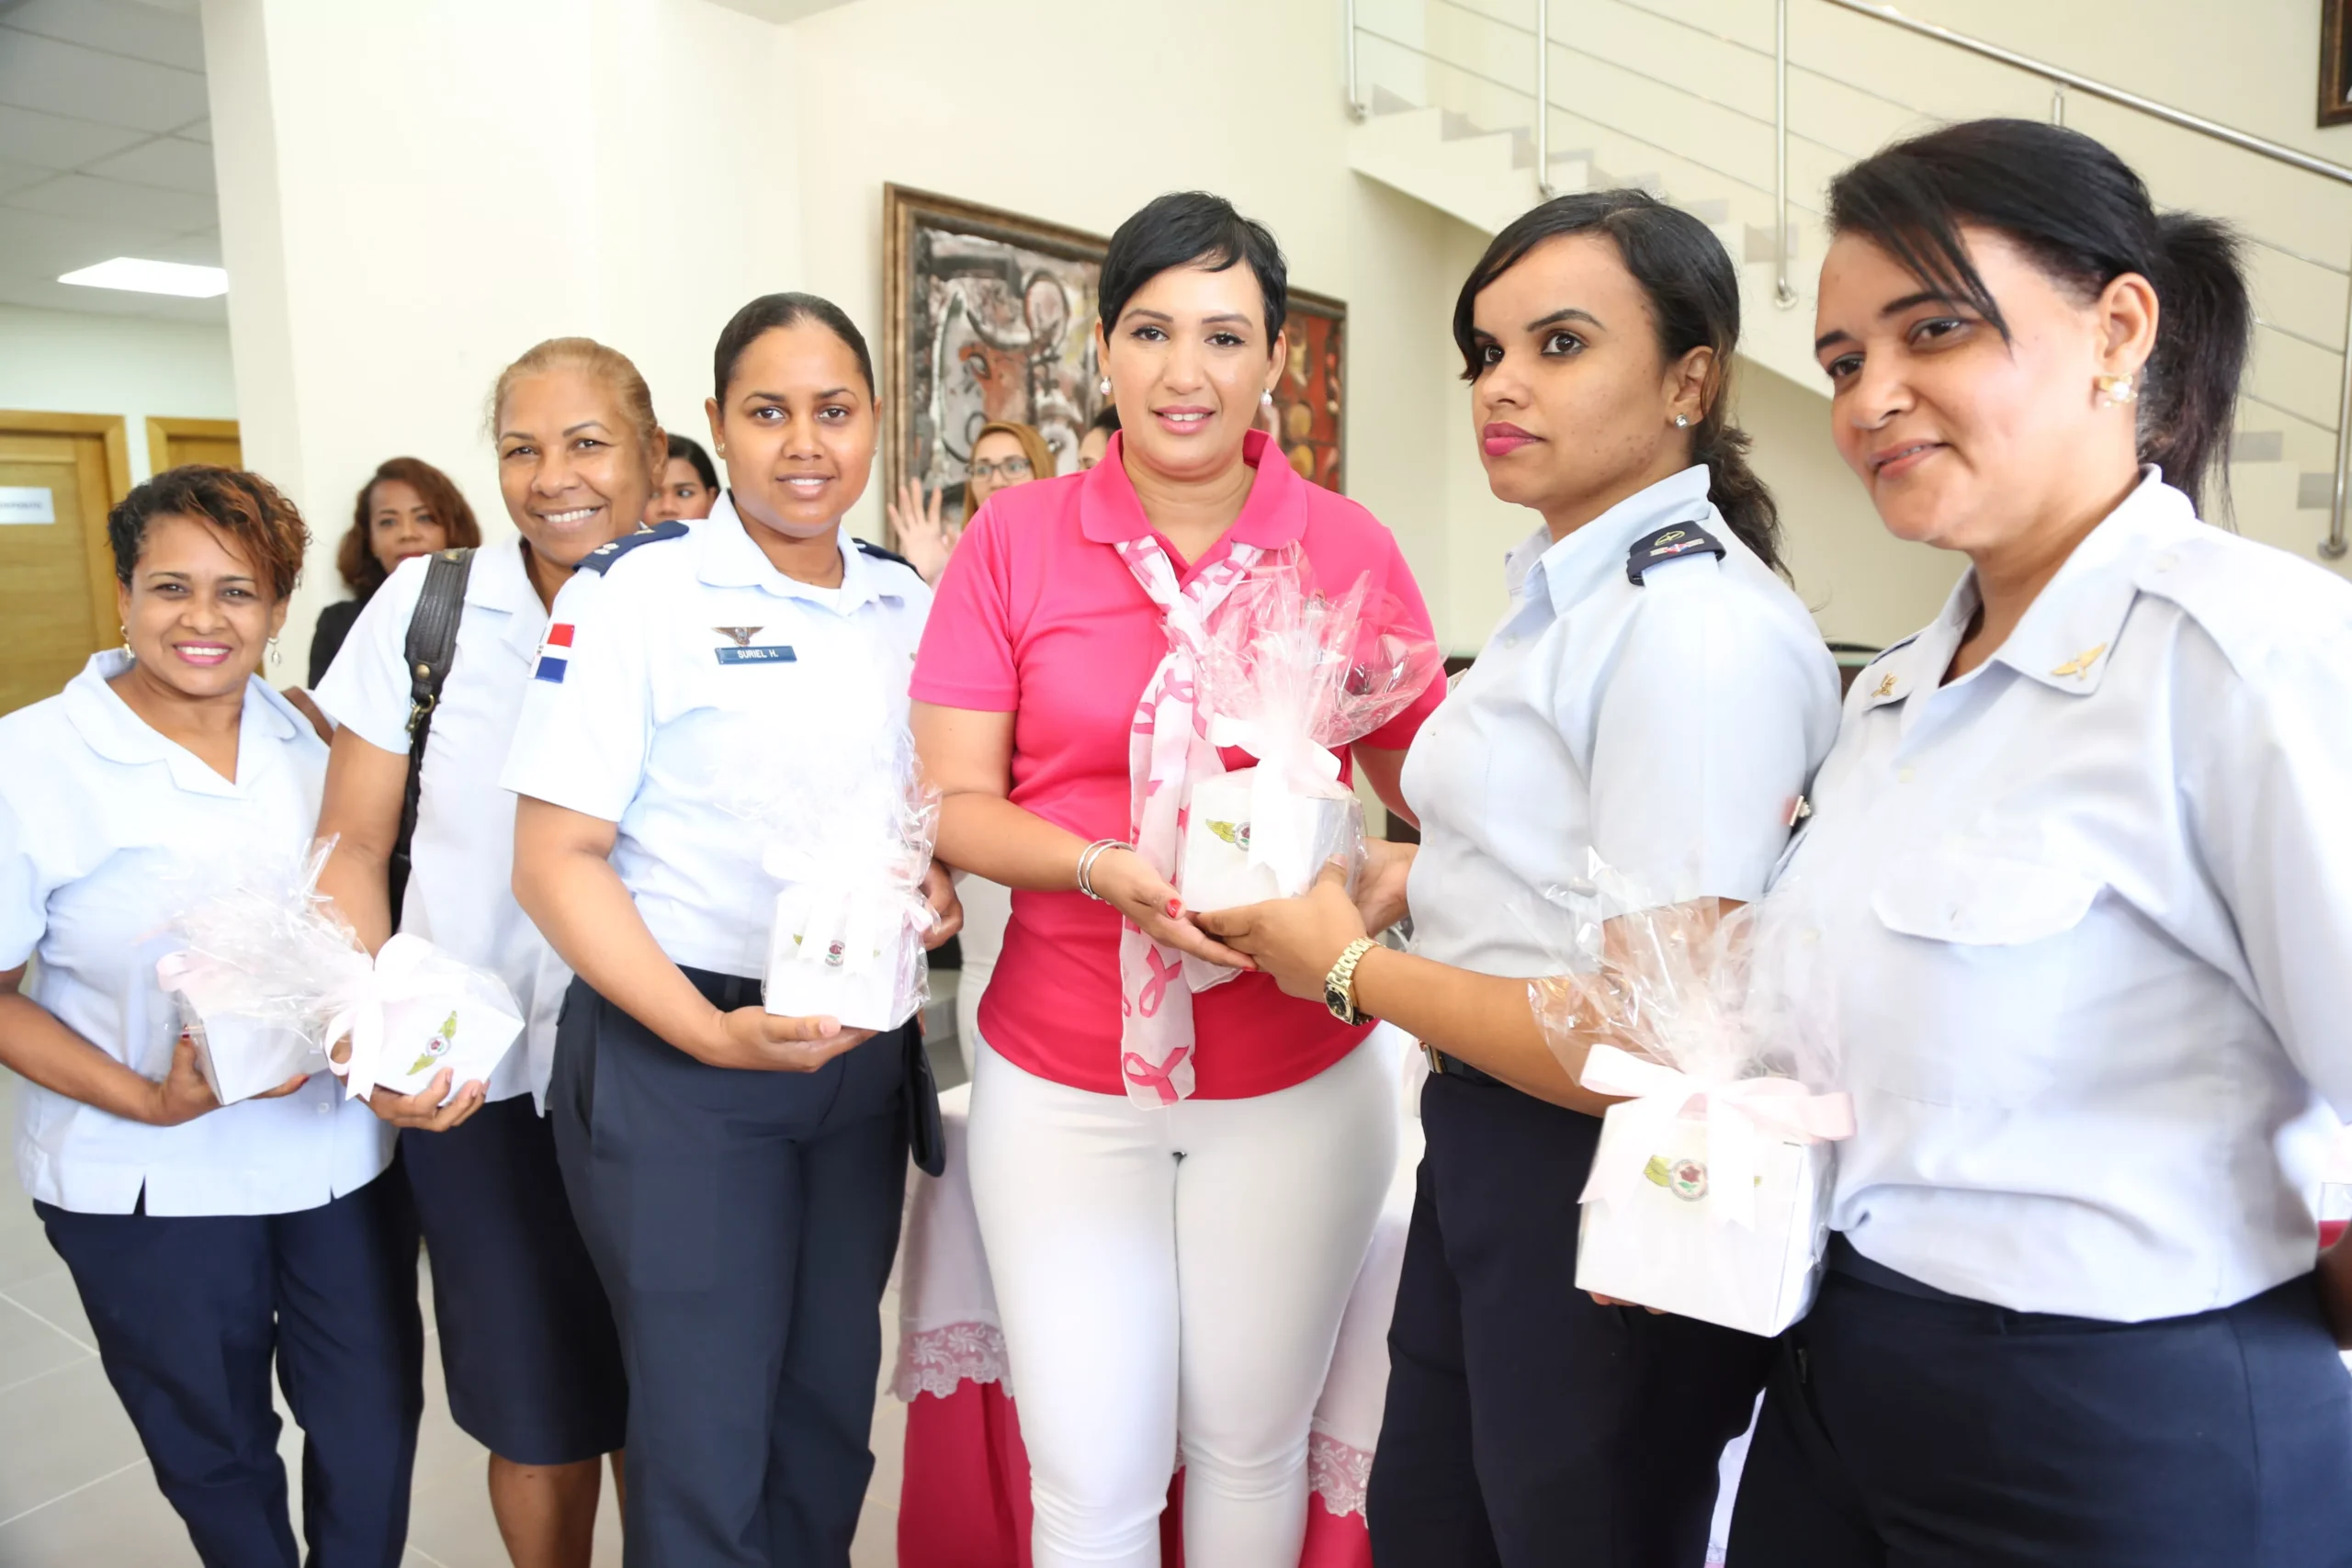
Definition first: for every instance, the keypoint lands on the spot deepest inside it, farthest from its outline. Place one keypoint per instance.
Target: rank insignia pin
(1885, 687)
(743, 635)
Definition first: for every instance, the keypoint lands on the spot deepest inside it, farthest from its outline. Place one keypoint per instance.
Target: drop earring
(272, 650)
(125, 629)
(2116, 391)
(1106, 388)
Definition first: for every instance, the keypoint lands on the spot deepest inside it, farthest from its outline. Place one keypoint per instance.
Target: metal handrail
(1544, 187)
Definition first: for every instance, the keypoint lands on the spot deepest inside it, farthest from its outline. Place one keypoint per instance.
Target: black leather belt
(1448, 1066)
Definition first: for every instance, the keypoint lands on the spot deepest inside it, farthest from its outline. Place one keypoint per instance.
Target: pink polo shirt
(1038, 617)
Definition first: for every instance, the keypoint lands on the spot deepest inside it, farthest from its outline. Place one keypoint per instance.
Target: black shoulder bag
(432, 646)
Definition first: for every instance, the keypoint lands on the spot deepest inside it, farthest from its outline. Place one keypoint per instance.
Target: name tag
(780, 654)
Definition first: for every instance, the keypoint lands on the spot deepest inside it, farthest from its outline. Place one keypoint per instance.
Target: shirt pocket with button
(1970, 1006)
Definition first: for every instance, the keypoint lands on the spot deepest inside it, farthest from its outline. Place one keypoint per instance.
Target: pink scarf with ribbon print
(1168, 748)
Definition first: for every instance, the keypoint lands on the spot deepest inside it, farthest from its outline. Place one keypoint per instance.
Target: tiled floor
(75, 1491)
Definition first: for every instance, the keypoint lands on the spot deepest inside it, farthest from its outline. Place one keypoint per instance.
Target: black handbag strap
(432, 648)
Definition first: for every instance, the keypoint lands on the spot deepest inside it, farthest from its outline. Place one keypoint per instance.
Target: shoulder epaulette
(600, 559)
(1670, 542)
(877, 553)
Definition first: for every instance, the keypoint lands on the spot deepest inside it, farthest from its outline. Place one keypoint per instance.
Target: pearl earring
(1106, 388)
(2116, 391)
(1267, 398)
(1682, 422)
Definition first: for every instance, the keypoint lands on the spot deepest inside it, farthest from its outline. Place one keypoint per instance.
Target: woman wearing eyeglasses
(1004, 454)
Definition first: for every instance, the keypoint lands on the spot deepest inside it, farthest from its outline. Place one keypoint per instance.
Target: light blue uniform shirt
(461, 887)
(1670, 725)
(2092, 906)
(107, 831)
(677, 682)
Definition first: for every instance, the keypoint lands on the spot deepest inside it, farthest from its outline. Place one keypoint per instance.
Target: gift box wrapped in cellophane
(419, 1012)
(1291, 676)
(847, 942)
(1708, 1192)
(263, 956)
(272, 985)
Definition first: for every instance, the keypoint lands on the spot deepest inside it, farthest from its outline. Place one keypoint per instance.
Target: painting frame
(2334, 62)
(915, 337)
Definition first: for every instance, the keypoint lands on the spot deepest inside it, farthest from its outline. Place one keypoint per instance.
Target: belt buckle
(1433, 1057)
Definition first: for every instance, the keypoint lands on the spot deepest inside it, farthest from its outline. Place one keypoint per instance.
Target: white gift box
(1236, 852)
(1649, 1233)
(240, 1049)
(418, 1011)
(846, 954)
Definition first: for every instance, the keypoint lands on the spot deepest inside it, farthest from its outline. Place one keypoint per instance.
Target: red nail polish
(1175, 909)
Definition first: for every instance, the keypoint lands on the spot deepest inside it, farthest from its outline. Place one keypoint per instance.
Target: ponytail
(2204, 328)
(2084, 219)
(1693, 294)
(1747, 507)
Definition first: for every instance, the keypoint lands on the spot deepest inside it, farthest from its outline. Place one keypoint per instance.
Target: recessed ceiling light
(152, 278)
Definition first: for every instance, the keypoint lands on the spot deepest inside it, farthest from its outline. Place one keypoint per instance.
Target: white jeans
(987, 909)
(1168, 1276)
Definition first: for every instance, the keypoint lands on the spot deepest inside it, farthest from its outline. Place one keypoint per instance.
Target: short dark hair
(771, 312)
(1192, 227)
(2084, 216)
(1693, 293)
(1107, 421)
(357, 562)
(686, 446)
(244, 506)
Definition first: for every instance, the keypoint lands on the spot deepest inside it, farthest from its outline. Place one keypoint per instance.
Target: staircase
(1449, 118)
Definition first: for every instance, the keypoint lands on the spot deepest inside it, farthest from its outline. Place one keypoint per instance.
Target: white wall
(65, 362)
(411, 196)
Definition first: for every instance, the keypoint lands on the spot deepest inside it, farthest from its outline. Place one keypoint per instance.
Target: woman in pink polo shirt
(1175, 1189)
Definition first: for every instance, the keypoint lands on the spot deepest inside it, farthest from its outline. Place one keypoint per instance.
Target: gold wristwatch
(1339, 984)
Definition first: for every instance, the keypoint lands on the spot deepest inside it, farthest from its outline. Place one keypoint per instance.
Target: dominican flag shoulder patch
(554, 653)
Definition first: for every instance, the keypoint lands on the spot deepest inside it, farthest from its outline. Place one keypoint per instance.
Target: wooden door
(59, 473)
(171, 442)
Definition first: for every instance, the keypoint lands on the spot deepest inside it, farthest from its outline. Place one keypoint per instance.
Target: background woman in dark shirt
(407, 507)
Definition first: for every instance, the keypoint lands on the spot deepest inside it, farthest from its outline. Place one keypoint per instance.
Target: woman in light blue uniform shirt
(1654, 695)
(209, 1243)
(2085, 867)
(739, 1176)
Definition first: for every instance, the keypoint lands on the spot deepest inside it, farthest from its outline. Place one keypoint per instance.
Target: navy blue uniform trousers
(743, 1224)
(1528, 1425)
(1907, 1428)
(189, 1314)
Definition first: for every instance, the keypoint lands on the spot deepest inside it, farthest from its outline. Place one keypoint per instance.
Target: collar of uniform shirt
(2068, 634)
(119, 734)
(730, 559)
(1574, 566)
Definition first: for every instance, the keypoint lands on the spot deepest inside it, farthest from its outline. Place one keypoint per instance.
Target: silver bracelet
(1085, 859)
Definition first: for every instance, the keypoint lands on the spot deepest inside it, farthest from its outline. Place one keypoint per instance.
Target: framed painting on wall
(989, 315)
(2334, 62)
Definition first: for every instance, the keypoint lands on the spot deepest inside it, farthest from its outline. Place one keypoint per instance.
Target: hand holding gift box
(1709, 1190)
(416, 1011)
(847, 941)
(1290, 676)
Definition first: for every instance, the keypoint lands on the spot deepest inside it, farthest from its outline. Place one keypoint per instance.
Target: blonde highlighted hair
(609, 365)
(1032, 443)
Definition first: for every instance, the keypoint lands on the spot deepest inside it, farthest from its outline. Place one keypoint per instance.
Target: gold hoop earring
(2116, 391)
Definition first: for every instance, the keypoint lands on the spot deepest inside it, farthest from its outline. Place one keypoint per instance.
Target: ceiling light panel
(141, 277)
